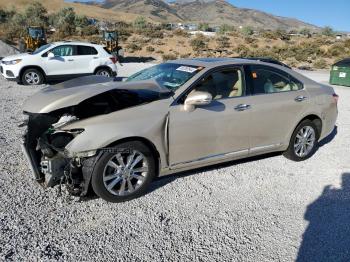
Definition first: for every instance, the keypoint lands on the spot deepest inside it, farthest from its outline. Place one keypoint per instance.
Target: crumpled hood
(73, 92)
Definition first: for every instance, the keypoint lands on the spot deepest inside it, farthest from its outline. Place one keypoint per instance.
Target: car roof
(214, 62)
(75, 43)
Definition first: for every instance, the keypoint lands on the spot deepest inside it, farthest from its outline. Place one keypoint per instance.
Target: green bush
(225, 28)
(327, 31)
(35, 14)
(81, 21)
(247, 30)
(66, 21)
(305, 31)
(203, 27)
(140, 23)
(6, 15)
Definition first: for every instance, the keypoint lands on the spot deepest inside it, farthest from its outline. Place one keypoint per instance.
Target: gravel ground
(249, 210)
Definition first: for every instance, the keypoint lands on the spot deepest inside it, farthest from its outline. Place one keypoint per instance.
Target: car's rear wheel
(32, 76)
(104, 72)
(123, 172)
(304, 141)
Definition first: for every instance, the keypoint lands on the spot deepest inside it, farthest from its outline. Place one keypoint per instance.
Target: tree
(327, 31)
(140, 23)
(247, 30)
(36, 15)
(81, 21)
(16, 26)
(6, 15)
(66, 21)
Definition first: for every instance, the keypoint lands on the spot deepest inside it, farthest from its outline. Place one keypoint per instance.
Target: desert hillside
(81, 9)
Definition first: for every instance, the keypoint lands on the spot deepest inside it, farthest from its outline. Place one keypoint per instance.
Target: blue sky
(334, 13)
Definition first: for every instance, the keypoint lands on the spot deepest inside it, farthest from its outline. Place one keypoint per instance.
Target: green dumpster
(340, 73)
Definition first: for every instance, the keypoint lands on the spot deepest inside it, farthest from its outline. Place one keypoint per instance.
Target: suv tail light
(114, 59)
(335, 98)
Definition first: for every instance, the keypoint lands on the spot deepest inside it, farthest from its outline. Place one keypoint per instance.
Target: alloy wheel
(304, 141)
(104, 73)
(124, 173)
(32, 78)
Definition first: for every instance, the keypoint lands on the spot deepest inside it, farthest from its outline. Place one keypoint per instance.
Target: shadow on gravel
(137, 59)
(329, 138)
(327, 238)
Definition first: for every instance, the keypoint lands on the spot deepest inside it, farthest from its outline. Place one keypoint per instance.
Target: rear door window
(86, 50)
(267, 80)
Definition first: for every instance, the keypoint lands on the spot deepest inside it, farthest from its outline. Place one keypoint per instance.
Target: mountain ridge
(214, 12)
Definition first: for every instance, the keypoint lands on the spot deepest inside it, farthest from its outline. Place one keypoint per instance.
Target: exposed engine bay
(45, 141)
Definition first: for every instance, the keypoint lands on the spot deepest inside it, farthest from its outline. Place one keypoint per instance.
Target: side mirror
(197, 98)
(51, 55)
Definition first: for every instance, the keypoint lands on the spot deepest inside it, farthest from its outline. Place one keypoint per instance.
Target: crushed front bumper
(39, 177)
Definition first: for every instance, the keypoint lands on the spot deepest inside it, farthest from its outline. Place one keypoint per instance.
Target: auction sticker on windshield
(187, 69)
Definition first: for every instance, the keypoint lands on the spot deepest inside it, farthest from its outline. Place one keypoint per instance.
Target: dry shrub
(150, 49)
(180, 32)
(320, 63)
(223, 42)
(167, 57)
(132, 47)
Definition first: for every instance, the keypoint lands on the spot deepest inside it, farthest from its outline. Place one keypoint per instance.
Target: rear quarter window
(86, 50)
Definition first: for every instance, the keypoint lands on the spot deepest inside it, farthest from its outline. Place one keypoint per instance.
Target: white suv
(57, 61)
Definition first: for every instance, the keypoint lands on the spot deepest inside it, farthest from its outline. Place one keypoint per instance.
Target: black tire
(104, 72)
(100, 186)
(32, 76)
(291, 153)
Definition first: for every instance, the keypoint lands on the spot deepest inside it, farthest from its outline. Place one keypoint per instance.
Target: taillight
(335, 98)
(114, 59)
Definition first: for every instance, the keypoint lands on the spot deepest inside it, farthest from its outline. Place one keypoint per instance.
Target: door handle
(70, 60)
(300, 98)
(242, 107)
(95, 57)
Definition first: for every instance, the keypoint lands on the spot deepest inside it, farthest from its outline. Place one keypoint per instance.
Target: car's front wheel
(32, 76)
(304, 141)
(123, 172)
(104, 72)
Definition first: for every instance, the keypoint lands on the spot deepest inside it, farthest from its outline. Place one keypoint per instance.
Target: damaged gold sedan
(118, 136)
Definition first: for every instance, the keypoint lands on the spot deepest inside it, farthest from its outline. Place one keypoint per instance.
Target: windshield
(40, 49)
(171, 76)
